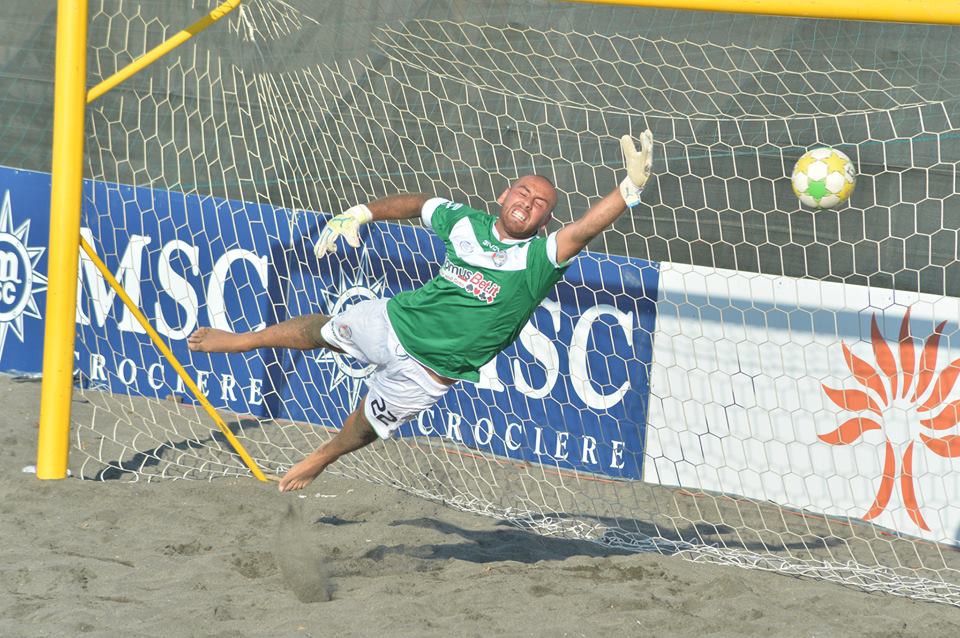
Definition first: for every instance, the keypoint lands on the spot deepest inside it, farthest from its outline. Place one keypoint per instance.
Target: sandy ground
(348, 558)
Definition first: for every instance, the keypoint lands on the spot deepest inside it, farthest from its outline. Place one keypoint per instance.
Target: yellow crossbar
(924, 11)
(161, 50)
(165, 350)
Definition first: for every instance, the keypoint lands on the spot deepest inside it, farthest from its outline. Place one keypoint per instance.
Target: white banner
(828, 397)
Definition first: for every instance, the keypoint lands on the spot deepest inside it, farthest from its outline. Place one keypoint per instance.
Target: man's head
(525, 207)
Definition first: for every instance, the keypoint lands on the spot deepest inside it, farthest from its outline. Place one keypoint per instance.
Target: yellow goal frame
(71, 98)
(926, 11)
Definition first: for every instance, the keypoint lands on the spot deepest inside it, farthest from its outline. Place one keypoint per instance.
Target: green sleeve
(445, 216)
(542, 273)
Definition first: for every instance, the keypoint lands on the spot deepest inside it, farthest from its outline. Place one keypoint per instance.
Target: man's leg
(299, 333)
(355, 434)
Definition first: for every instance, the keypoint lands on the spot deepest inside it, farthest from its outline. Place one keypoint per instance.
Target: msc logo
(358, 285)
(14, 266)
(19, 281)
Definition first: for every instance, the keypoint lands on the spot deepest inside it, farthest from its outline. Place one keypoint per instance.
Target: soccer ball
(823, 178)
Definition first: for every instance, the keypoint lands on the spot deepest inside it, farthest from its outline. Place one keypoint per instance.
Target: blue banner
(571, 393)
(24, 235)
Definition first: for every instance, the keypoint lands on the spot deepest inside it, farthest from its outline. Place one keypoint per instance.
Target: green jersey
(483, 296)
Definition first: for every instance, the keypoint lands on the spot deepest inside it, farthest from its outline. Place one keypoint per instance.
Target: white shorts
(399, 388)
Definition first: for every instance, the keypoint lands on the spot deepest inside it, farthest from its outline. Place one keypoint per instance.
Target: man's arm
(347, 224)
(402, 206)
(574, 237)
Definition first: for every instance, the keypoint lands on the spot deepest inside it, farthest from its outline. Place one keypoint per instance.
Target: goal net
(723, 375)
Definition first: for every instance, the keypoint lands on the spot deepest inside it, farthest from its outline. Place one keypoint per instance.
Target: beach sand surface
(345, 557)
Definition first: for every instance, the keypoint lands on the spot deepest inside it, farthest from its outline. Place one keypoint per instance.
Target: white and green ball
(823, 178)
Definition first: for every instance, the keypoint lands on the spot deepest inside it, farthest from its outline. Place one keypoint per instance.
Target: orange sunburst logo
(907, 379)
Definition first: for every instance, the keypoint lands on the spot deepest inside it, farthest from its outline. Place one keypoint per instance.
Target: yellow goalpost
(677, 392)
(70, 100)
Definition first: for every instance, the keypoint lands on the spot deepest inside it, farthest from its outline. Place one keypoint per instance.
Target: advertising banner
(816, 395)
(571, 393)
(24, 234)
(821, 396)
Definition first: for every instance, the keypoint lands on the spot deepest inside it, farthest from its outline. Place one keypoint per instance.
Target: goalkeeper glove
(638, 164)
(347, 225)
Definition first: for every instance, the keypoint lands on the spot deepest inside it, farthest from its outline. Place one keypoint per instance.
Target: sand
(350, 558)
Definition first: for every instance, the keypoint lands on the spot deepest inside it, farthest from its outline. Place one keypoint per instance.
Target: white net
(726, 376)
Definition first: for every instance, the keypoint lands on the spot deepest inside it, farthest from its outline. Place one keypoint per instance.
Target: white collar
(496, 235)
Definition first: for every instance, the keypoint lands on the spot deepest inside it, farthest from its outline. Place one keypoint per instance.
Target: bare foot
(214, 340)
(302, 474)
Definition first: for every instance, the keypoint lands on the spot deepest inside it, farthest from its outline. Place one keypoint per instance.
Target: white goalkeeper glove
(638, 165)
(347, 225)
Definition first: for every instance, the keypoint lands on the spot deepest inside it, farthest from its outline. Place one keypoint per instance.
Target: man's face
(525, 207)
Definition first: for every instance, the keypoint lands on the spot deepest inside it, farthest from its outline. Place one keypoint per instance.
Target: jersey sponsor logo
(19, 281)
(471, 281)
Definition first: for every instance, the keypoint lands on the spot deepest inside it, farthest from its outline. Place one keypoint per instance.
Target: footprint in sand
(303, 568)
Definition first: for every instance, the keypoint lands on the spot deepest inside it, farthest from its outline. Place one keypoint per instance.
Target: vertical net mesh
(215, 166)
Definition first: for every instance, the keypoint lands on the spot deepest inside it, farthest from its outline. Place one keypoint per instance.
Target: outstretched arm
(402, 206)
(574, 237)
(347, 224)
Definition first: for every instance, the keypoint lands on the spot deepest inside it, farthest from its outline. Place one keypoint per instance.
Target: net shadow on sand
(571, 514)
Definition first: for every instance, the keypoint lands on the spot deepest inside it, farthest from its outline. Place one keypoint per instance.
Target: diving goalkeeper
(497, 271)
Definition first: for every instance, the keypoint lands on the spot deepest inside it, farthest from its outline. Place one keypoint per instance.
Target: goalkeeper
(497, 271)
